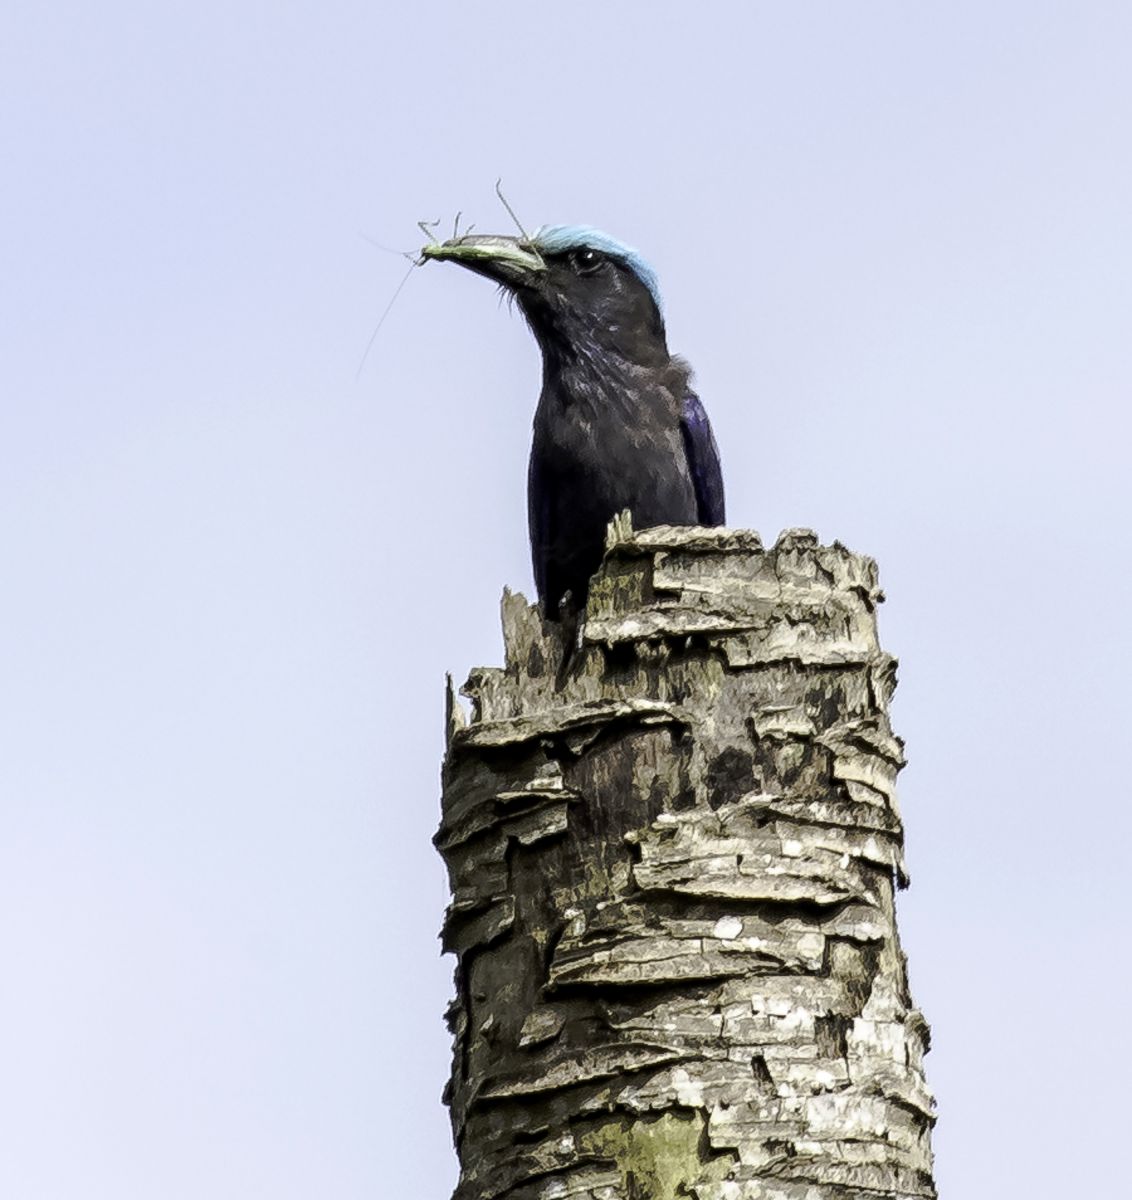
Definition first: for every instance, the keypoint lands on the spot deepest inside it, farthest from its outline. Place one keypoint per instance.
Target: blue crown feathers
(557, 239)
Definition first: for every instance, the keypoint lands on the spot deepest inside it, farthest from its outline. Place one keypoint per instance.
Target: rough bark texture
(673, 874)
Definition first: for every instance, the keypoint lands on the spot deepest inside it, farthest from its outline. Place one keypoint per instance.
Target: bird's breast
(622, 451)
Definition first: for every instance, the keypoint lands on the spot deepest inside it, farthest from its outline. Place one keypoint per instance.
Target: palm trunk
(678, 970)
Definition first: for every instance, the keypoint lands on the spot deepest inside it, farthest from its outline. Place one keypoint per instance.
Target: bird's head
(580, 289)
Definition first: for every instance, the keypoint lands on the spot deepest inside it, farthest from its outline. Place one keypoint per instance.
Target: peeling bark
(673, 877)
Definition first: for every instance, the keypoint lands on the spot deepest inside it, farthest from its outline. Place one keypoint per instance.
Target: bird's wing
(538, 519)
(703, 460)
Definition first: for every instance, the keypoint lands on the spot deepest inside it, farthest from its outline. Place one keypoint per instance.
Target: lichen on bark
(673, 869)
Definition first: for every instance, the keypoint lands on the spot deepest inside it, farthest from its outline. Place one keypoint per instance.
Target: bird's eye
(586, 260)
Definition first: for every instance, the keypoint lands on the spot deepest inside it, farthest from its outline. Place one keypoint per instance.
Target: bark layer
(673, 876)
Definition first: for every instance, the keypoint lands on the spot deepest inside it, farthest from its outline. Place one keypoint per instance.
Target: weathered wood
(673, 877)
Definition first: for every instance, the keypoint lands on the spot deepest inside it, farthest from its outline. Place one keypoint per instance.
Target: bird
(617, 425)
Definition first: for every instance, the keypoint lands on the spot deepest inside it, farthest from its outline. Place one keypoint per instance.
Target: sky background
(894, 242)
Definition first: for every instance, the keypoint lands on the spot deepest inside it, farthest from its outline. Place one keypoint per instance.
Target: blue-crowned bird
(617, 424)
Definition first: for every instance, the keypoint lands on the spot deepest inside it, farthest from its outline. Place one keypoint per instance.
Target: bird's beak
(510, 261)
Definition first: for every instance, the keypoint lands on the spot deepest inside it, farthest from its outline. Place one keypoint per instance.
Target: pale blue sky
(894, 242)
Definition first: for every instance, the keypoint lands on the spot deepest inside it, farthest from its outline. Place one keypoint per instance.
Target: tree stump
(673, 871)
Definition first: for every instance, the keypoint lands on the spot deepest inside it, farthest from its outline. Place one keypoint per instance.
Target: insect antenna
(411, 255)
(381, 320)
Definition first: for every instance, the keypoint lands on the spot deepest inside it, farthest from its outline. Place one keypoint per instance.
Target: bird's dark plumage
(703, 461)
(617, 425)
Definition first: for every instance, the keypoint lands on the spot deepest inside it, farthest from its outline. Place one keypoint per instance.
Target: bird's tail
(570, 625)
